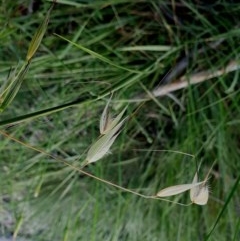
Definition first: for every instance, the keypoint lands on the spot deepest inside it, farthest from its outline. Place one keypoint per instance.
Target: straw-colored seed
(106, 122)
(105, 118)
(199, 194)
(174, 190)
(102, 146)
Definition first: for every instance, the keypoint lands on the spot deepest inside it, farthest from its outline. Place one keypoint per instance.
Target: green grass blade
(98, 56)
(155, 48)
(40, 113)
(234, 188)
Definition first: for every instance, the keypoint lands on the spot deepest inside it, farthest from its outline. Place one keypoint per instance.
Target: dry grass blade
(38, 36)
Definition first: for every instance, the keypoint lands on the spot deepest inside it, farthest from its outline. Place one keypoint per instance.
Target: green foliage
(89, 50)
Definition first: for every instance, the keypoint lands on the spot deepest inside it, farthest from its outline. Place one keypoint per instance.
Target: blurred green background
(143, 46)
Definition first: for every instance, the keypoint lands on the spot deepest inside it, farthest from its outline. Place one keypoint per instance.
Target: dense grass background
(43, 199)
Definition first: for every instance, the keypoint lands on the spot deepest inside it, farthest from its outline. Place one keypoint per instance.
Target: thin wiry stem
(87, 173)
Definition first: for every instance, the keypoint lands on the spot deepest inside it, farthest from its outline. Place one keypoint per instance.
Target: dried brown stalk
(202, 76)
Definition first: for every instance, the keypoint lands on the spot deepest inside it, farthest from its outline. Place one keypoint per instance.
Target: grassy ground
(138, 43)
